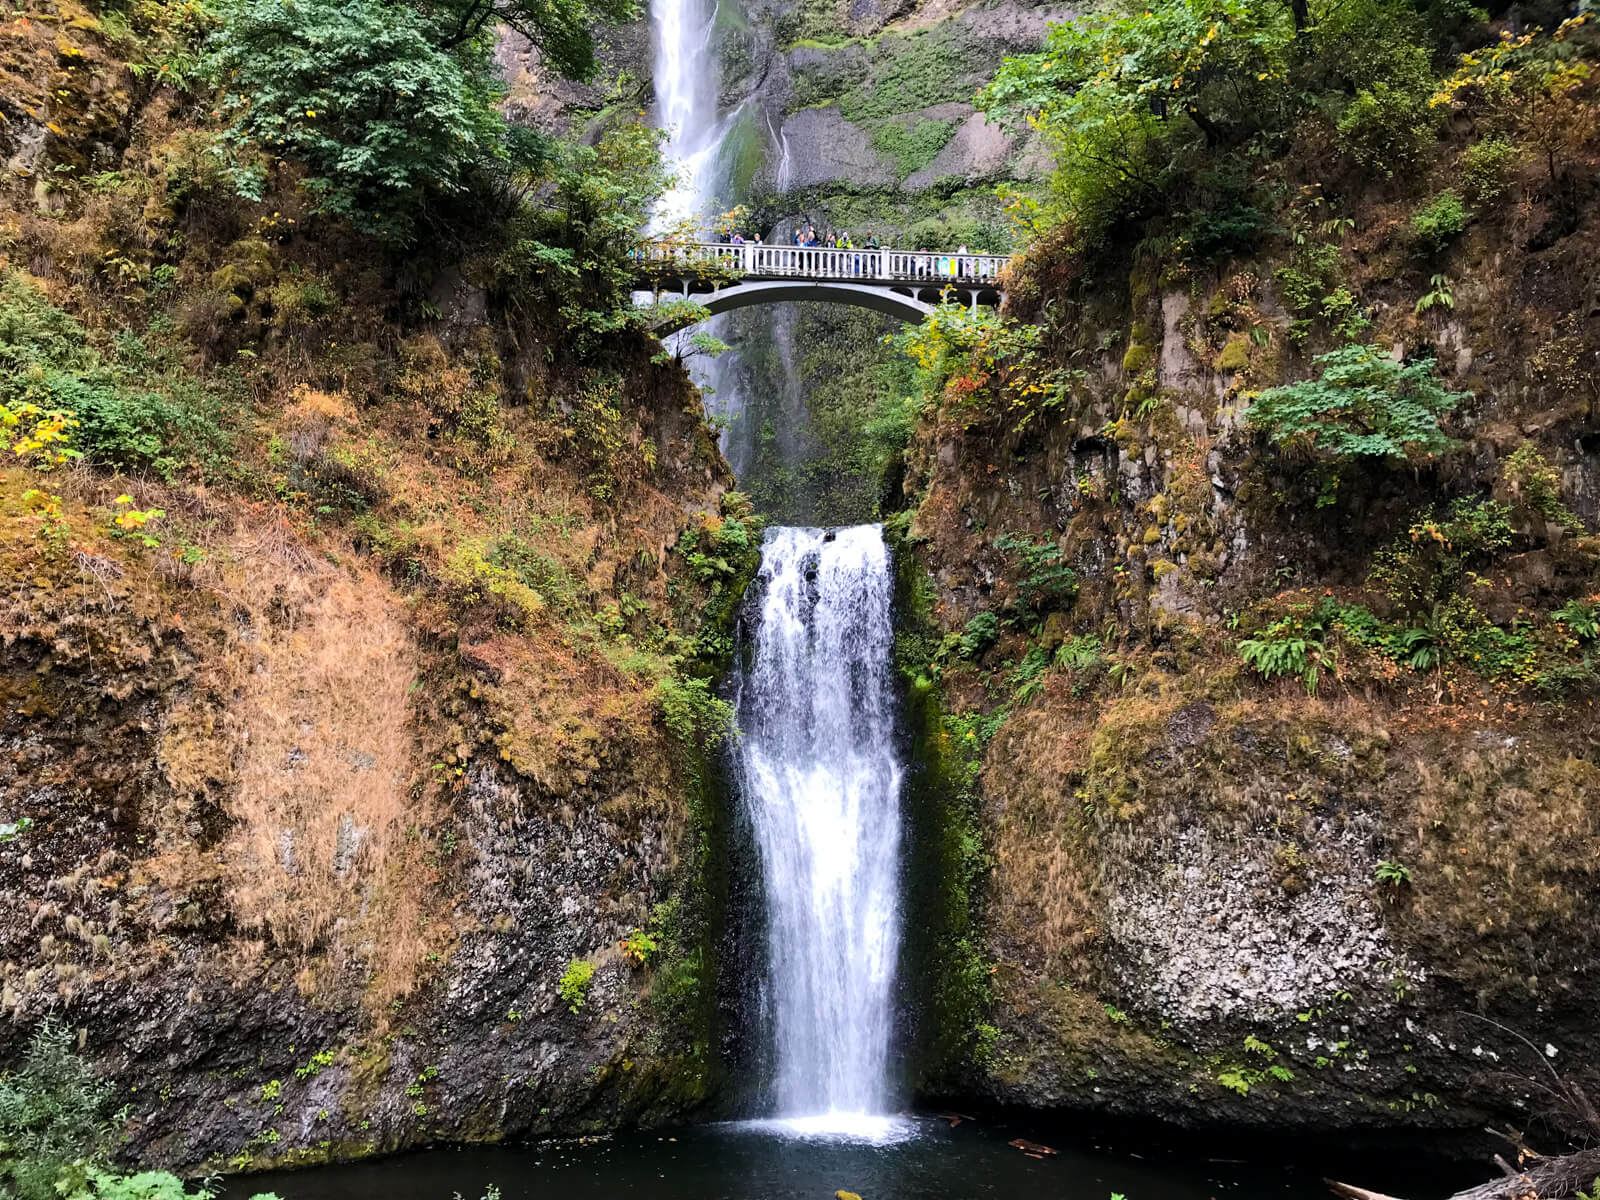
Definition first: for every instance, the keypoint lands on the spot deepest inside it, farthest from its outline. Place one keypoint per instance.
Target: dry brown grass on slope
(1046, 890)
(325, 748)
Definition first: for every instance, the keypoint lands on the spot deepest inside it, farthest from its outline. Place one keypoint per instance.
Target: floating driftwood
(1542, 1179)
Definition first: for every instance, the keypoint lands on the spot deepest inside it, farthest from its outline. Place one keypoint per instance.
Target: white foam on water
(876, 1129)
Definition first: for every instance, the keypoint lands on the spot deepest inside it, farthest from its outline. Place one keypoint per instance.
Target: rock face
(819, 146)
(979, 150)
(1220, 900)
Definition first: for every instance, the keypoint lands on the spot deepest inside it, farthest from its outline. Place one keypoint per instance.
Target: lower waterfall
(819, 776)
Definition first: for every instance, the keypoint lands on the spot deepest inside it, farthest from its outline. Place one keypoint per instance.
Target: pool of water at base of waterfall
(911, 1158)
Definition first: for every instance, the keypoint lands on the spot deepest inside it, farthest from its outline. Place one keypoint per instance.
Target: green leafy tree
(50, 1115)
(365, 95)
(1364, 404)
(573, 247)
(561, 30)
(1125, 97)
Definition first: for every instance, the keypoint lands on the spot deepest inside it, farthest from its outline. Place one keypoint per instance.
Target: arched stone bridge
(907, 284)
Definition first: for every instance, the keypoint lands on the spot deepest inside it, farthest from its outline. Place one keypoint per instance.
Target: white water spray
(686, 102)
(820, 777)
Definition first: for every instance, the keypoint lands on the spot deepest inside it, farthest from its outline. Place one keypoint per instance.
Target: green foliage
(48, 365)
(1392, 874)
(1255, 1045)
(1439, 221)
(562, 30)
(365, 94)
(1239, 1078)
(979, 635)
(1295, 645)
(1582, 617)
(914, 70)
(694, 714)
(641, 946)
(574, 984)
(1487, 167)
(1533, 89)
(55, 1140)
(571, 249)
(1415, 646)
(1386, 128)
(1081, 653)
(1364, 404)
(961, 356)
(1127, 97)
(51, 1115)
(315, 1065)
(1438, 295)
(1427, 564)
(146, 1185)
(1043, 577)
(1313, 287)
(1537, 484)
(912, 145)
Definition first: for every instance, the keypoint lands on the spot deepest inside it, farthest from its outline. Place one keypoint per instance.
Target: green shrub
(1385, 129)
(979, 635)
(693, 714)
(1423, 568)
(47, 361)
(574, 984)
(1043, 577)
(1487, 168)
(1394, 874)
(51, 1115)
(1538, 485)
(1294, 645)
(1363, 405)
(1440, 221)
(1582, 617)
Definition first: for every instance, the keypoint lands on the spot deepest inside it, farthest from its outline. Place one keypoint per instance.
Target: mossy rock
(1235, 355)
(1138, 359)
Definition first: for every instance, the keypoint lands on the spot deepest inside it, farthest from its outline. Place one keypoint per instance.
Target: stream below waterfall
(750, 1161)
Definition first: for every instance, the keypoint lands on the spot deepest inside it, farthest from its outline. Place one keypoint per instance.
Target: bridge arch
(907, 307)
(907, 285)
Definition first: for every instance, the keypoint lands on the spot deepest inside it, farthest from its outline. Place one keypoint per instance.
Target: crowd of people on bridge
(932, 266)
(919, 264)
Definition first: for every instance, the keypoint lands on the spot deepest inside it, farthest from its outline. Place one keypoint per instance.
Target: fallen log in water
(1544, 1179)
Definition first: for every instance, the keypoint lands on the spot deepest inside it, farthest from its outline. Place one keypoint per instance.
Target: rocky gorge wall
(354, 790)
(1224, 901)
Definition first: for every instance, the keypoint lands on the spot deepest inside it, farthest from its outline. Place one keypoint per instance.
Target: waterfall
(819, 776)
(686, 101)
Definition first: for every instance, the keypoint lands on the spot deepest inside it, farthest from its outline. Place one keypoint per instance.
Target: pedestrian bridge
(909, 284)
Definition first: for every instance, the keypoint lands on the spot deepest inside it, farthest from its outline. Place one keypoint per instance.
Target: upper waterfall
(819, 777)
(686, 101)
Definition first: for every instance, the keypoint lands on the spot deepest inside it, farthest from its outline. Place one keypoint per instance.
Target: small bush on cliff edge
(1363, 405)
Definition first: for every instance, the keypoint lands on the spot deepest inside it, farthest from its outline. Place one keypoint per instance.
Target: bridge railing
(823, 262)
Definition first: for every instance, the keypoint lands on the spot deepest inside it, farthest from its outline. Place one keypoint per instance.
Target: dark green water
(750, 1162)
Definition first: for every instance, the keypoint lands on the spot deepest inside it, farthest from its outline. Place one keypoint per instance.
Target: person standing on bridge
(961, 263)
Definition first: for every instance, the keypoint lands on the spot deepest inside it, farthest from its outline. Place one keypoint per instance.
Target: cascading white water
(686, 107)
(819, 776)
(686, 102)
